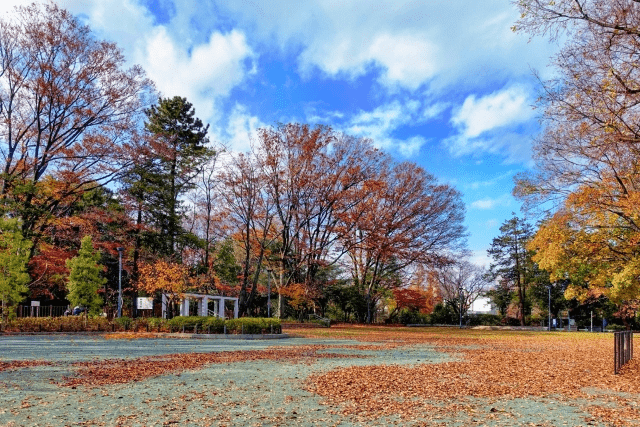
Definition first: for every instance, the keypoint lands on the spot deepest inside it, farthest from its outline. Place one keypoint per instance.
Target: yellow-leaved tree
(587, 175)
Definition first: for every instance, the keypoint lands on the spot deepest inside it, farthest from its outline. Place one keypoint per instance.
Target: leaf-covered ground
(504, 365)
(338, 376)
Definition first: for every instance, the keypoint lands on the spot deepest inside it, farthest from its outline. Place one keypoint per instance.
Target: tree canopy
(587, 157)
(68, 111)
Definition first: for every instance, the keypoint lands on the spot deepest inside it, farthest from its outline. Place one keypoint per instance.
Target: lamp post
(460, 292)
(120, 249)
(549, 307)
(269, 292)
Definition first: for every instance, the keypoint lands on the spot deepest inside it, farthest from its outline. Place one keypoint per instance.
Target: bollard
(622, 349)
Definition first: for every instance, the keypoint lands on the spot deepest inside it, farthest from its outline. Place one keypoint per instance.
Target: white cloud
(480, 258)
(514, 147)
(122, 21)
(506, 107)
(202, 69)
(241, 128)
(475, 185)
(491, 124)
(407, 60)
(207, 72)
(491, 203)
(197, 63)
(437, 44)
(381, 123)
(492, 223)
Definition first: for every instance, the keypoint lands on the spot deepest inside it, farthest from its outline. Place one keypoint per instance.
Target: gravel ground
(247, 393)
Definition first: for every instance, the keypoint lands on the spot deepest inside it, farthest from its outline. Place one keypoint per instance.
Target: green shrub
(213, 325)
(444, 315)
(210, 324)
(188, 323)
(70, 323)
(409, 317)
(98, 324)
(485, 320)
(253, 325)
(59, 324)
(123, 323)
(157, 324)
(322, 322)
(511, 321)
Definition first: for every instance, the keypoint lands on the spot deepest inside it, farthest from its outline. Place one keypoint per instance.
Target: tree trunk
(280, 305)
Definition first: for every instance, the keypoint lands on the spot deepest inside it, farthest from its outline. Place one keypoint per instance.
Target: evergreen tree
(85, 278)
(177, 153)
(512, 263)
(14, 255)
(501, 295)
(225, 264)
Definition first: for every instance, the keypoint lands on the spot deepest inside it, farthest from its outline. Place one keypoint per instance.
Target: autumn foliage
(587, 156)
(86, 152)
(410, 299)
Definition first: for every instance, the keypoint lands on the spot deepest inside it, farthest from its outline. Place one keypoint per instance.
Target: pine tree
(178, 152)
(85, 278)
(513, 265)
(14, 255)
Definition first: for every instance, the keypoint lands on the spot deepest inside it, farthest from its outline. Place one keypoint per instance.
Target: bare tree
(251, 213)
(314, 176)
(461, 283)
(67, 109)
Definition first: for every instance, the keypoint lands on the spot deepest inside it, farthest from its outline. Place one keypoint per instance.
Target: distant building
(482, 305)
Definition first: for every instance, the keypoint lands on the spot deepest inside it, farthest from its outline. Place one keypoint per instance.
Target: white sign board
(35, 303)
(145, 303)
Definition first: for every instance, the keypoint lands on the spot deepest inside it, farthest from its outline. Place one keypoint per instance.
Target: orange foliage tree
(299, 297)
(313, 175)
(169, 278)
(408, 218)
(409, 299)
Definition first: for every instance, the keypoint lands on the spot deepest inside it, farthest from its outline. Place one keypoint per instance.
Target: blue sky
(445, 84)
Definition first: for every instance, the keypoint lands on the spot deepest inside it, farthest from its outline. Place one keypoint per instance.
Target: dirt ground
(340, 376)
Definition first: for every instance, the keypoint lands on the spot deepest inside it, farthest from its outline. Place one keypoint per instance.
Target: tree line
(89, 148)
(95, 160)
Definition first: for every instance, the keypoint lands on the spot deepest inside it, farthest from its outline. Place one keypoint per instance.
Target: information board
(145, 303)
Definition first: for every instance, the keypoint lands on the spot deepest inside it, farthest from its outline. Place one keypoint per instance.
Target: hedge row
(197, 324)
